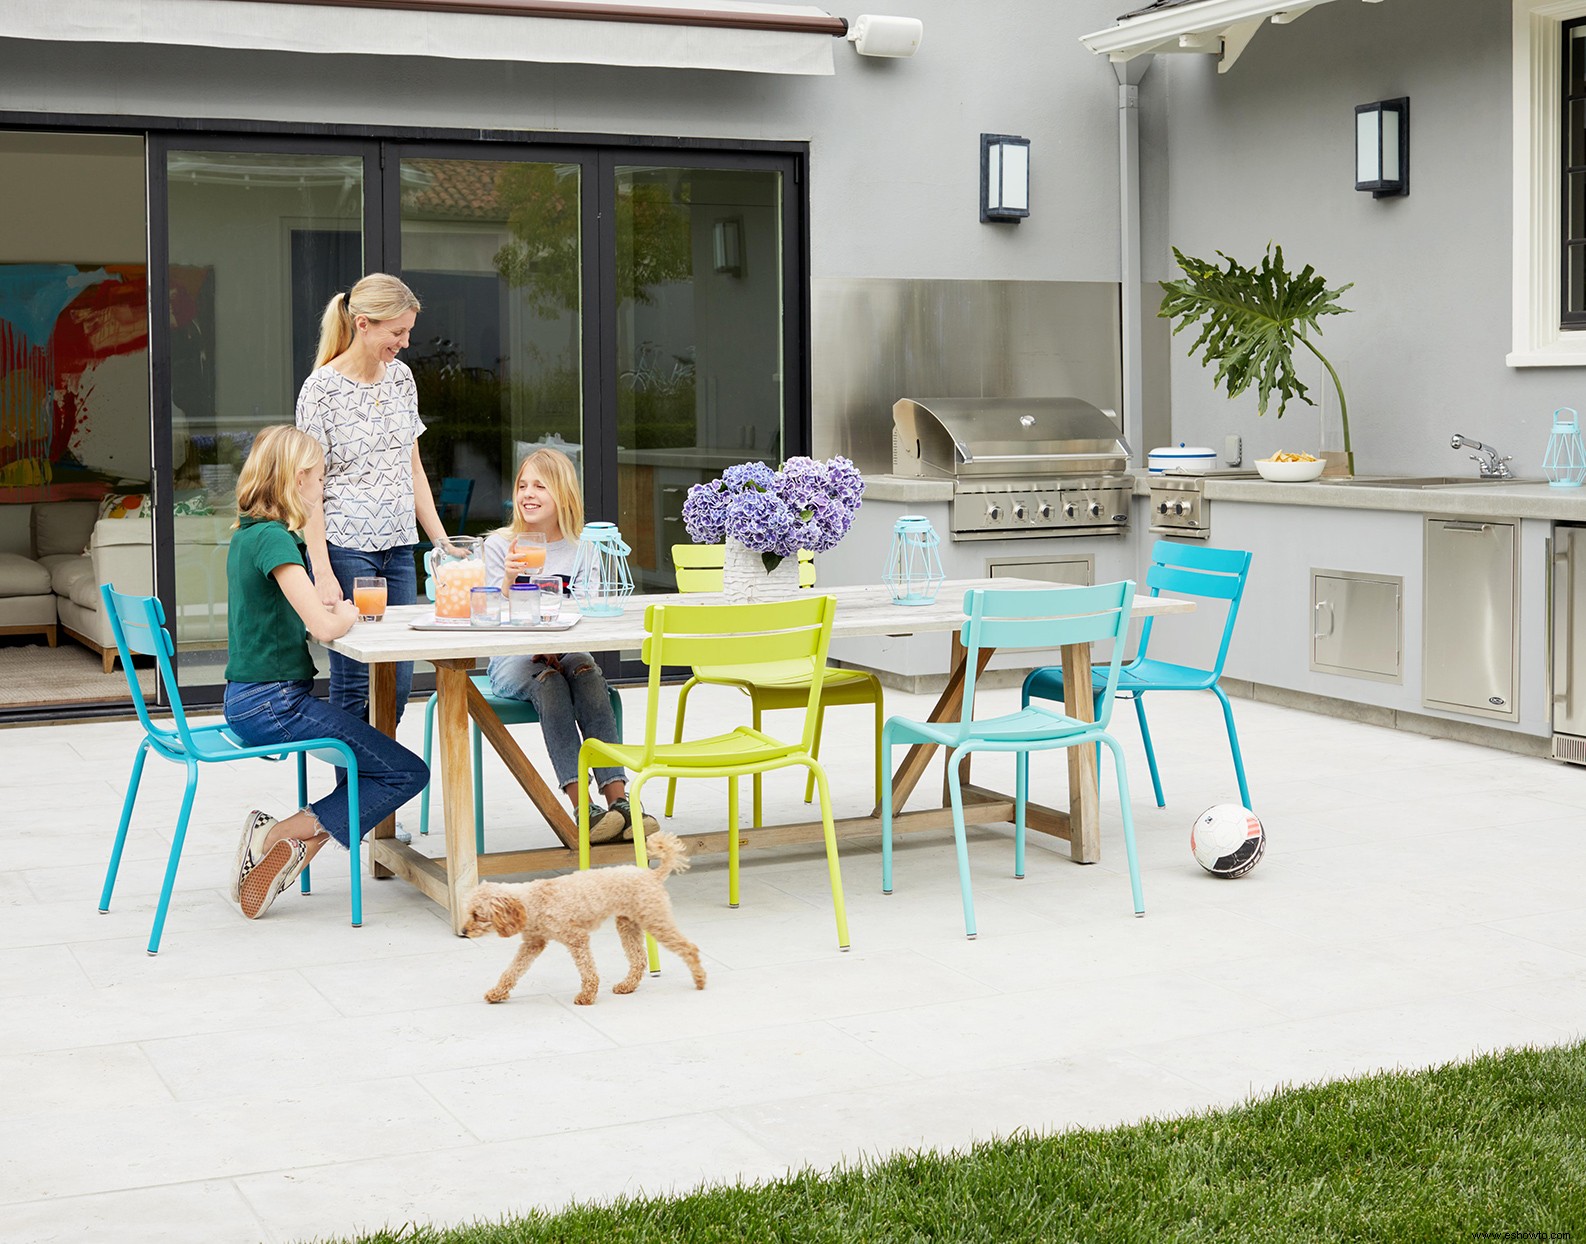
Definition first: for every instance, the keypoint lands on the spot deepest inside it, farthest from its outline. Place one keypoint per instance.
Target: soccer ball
(1227, 840)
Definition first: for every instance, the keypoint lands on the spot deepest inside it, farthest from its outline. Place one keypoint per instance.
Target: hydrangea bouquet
(806, 505)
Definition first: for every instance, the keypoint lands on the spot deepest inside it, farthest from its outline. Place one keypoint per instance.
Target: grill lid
(956, 438)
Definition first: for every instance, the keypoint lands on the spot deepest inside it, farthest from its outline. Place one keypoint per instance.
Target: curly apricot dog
(568, 909)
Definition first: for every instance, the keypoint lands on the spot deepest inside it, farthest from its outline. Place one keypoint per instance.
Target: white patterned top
(368, 432)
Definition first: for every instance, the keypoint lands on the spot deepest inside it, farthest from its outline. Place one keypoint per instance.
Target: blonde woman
(567, 689)
(274, 610)
(361, 405)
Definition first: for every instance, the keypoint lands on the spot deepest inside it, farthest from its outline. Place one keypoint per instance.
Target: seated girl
(275, 609)
(567, 689)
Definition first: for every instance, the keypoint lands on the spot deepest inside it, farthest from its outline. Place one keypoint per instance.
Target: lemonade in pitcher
(458, 571)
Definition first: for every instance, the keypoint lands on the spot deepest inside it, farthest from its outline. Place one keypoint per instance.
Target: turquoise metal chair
(511, 712)
(1180, 570)
(138, 623)
(1009, 620)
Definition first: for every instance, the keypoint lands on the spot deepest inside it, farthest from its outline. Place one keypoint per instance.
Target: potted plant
(765, 517)
(1251, 319)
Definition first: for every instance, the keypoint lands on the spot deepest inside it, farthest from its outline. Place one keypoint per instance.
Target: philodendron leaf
(1251, 319)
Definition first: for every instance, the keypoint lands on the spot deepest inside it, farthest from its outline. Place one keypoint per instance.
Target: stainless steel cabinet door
(1470, 597)
(1357, 625)
(1568, 648)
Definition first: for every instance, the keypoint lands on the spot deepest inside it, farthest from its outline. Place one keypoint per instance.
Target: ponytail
(335, 330)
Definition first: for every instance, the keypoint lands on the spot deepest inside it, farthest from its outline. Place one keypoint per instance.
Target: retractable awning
(1221, 28)
(698, 34)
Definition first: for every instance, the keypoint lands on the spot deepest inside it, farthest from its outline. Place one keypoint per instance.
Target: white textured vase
(744, 579)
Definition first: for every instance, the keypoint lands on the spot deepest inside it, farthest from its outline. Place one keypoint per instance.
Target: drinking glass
(368, 595)
(550, 599)
(484, 604)
(524, 604)
(528, 548)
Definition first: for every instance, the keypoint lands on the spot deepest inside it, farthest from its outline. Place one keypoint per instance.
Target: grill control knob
(1161, 507)
(993, 511)
(1068, 510)
(1180, 508)
(1018, 509)
(1044, 510)
(1095, 509)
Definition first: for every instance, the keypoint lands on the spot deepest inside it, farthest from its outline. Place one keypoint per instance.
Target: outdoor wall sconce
(727, 237)
(1004, 178)
(1382, 147)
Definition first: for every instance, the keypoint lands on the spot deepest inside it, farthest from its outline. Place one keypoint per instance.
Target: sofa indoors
(53, 560)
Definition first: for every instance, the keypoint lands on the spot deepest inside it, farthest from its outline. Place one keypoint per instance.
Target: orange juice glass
(368, 596)
(528, 547)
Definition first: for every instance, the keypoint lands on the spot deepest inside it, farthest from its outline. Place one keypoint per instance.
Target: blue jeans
(264, 713)
(349, 679)
(572, 703)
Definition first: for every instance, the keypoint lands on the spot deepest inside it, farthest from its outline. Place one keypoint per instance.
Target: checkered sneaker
(605, 825)
(254, 828)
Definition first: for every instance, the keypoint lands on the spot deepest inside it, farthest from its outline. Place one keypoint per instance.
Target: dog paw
(624, 987)
(585, 999)
(496, 995)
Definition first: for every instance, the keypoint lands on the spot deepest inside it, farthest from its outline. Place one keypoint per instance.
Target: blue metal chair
(138, 623)
(1013, 619)
(1180, 570)
(511, 712)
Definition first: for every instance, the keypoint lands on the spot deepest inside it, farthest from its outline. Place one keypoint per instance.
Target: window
(1549, 113)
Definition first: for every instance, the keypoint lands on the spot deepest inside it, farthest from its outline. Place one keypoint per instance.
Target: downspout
(1133, 415)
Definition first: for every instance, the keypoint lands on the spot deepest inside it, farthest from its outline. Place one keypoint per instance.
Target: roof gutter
(594, 11)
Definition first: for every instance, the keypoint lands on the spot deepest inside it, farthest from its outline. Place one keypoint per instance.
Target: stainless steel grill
(1020, 466)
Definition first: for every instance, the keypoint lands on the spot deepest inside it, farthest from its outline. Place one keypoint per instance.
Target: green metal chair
(699, 569)
(778, 635)
(1009, 620)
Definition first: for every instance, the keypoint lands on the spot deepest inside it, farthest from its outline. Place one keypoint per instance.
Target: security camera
(886, 36)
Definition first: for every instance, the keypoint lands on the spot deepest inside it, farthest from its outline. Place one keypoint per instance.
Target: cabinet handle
(1474, 527)
(1319, 606)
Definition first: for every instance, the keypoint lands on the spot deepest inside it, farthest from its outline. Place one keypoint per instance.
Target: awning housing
(1222, 28)
(733, 35)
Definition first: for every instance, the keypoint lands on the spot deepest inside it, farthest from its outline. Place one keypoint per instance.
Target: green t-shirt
(267, 640)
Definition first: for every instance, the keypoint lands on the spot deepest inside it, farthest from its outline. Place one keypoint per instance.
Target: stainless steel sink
(1419, 481)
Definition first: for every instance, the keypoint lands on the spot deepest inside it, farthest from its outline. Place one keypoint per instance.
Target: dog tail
(668, 849)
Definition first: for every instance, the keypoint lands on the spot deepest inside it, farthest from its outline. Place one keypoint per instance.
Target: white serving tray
(567, 621)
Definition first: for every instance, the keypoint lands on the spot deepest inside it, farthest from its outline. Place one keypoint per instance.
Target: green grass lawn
(1493, 1148)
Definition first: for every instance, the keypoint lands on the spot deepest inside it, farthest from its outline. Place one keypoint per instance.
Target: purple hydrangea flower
(808, 504)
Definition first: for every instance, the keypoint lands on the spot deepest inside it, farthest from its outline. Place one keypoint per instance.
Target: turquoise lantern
(601, 577)
(914, 565)
(1565, 460)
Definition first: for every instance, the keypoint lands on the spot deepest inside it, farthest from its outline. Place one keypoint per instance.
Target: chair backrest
(1209, 574)
(138, 624)
(785, 632)
(1014, 618)
(699, 567)
(456, 493)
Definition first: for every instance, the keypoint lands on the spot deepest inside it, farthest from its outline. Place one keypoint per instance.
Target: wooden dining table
(861, 611)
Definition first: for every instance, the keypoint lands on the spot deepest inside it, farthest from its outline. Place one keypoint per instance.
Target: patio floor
(292, 1078)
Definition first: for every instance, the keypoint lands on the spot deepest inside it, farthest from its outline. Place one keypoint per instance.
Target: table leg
(382, 716)
(1084, 820)
(457, 784)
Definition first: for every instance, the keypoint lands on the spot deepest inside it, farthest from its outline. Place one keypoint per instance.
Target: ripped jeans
(572, 704)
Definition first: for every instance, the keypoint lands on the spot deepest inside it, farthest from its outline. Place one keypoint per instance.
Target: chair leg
(177, 839)
(305, 883)
(429, 740)
(121, 830)
(1233, 745)
(955, 788)
(881, 772)
(1150, 751)
(479, 787)
(884, 751)
(833, 871)
(640, 856)
(758, 811)
(677, 737)
(355, 842)
(815, 752)
(1128, 823)
(1021, 800)
(732, 842)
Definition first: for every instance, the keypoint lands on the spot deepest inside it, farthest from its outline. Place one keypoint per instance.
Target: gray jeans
(571, 701)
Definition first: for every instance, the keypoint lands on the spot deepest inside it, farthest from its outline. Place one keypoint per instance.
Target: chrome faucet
(1489, 464)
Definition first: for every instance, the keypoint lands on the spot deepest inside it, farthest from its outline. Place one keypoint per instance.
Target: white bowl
(1290, 472)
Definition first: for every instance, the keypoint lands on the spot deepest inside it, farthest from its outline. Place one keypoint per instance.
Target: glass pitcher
(458, 570)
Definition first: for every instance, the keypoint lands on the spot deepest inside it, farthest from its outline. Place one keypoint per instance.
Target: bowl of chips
(1290, 468)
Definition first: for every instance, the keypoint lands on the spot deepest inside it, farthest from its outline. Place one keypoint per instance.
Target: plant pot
(745, 580)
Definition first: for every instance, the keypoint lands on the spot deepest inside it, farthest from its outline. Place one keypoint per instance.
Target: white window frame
(1538, 341)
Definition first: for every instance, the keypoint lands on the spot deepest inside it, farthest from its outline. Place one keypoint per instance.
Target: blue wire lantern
(600, 571)
(1565, 460)
(914, 566)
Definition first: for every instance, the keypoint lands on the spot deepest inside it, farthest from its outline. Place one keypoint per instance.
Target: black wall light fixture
(1004, 178)
(1382, 147)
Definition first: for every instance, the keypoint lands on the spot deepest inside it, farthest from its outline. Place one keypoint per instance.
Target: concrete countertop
(1492, 500)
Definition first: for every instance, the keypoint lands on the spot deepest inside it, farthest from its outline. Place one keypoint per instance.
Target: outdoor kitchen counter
(1516, 500)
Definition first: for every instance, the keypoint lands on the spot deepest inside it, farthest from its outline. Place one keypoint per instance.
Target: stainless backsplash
(876, 340)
